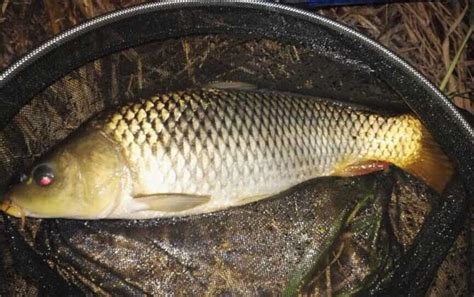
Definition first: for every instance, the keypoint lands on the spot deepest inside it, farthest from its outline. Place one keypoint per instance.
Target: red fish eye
(43, 175)
(45, 181)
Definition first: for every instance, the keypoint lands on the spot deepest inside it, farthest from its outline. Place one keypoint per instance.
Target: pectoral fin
(170, 202)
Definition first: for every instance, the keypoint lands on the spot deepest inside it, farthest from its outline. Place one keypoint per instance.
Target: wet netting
(381, 234)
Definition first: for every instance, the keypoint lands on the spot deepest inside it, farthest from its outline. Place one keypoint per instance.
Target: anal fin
(361, 168)
(170, 202)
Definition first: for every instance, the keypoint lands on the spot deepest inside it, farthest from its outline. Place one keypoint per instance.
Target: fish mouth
(11, 209)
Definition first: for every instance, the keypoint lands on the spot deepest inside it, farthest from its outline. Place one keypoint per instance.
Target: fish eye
(43, 175)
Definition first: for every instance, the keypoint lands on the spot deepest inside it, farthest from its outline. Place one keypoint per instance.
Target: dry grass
(427, 35)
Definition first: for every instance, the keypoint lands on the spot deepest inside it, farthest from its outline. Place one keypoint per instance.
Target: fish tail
(432, 165)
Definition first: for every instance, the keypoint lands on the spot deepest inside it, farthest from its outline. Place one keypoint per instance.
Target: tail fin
(432, 166)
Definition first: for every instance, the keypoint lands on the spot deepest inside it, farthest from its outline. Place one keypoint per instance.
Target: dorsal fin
(230, 85)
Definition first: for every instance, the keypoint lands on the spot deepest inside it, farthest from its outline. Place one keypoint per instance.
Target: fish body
(202, 150)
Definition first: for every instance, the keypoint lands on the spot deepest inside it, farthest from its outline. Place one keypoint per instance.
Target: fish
(206, 149)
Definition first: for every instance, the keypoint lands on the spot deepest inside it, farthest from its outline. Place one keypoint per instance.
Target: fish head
(84, 179)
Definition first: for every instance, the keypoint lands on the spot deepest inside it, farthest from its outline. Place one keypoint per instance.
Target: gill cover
(89, 177)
